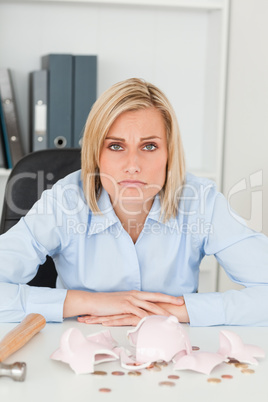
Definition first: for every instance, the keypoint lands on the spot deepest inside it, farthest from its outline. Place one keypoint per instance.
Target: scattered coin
(173, 377)
(241, 365)
(228, 376)
(118, 373)
(195, 347)
(105, 390)
(99, 373)
(151, 366)
(134, 373)
(156, 367)
(232, 361)
(214, 380)
(167, 383)
(247, 371)
(162, 364)
(134, 364)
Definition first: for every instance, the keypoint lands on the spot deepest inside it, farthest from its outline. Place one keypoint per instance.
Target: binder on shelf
(84, 92)
(38, 109)
(59, 122)
(9, 120)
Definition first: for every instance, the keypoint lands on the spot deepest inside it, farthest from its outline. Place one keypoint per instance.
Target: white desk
(48, 380)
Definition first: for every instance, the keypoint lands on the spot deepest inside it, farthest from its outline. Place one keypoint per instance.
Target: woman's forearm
(77, 302)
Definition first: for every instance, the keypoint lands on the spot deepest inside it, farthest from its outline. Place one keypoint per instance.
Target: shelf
(203, 173)
(187, 4)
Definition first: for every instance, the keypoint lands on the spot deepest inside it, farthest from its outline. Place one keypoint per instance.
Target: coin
(134, 364)
(99, 373)
(134, 373)
(232, 361)
(167, 383)
(118, 373)
(228, 376)
(105, 390)
(173, 377)
(247, 371)
(162, 364)
(156, 367)
(195, 347)
(214, 380)
(241, 365)
(151, 366)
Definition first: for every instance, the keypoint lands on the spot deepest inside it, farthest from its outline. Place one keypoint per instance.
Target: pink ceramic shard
(128, 361)
(231, 345)
(203, 362)
(158, 338)
(82, 353)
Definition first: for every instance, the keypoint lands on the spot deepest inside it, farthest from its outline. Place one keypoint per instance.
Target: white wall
(246, 141)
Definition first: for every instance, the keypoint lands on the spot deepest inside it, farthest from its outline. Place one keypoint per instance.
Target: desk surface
(49, 380)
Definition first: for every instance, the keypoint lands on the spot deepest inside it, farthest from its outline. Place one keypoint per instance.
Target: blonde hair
(132, 94)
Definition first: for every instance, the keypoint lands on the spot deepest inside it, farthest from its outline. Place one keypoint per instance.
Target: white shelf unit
(181, 46)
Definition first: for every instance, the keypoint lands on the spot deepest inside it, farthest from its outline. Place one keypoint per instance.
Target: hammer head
(16, 371)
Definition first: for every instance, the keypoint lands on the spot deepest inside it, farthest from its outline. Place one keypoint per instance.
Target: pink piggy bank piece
(82, 353)
(159, 338)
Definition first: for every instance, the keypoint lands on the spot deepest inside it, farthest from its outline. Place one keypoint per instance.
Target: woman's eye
(150, 147)
(115, 147)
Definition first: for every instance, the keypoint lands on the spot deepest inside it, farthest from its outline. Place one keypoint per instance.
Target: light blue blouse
(93, 252)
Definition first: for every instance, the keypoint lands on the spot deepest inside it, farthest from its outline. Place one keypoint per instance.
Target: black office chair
(33, 174)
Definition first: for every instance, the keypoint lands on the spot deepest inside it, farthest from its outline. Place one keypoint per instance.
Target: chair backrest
(33, 174)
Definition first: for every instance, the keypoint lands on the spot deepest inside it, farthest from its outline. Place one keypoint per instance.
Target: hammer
(14, 340)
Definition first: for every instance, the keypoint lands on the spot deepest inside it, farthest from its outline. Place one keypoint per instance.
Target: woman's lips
(131, 183)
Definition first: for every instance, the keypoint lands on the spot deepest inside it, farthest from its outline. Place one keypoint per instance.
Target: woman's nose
(132, 163)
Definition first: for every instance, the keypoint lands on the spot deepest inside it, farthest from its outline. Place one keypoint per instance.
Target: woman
(122, 232)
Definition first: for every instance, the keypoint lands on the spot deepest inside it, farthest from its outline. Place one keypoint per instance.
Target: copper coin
(156, 367)
(241, 365)
(134, 364)
(173, 377)
(151, 366)
(118, 373)
(214, 380)
(162, 364)
(99, 373)
(105, 390)
(195, 347)
(232, 361)
(134, 373)
(247, 371)
(167, 383)
(228, 376)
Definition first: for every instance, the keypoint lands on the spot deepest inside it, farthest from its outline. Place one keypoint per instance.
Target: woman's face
(133, 159)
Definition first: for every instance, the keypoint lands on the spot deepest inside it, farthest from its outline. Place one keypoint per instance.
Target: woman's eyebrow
(123, 140)
(115, 139)
(153, 137)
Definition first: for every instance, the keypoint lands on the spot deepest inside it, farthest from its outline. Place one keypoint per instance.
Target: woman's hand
(134, 302)
(179, 311)
(111, 320)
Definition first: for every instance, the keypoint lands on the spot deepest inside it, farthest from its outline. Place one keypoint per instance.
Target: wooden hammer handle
(21, 334)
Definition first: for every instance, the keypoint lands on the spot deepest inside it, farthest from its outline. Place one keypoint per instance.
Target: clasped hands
(128, 308)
